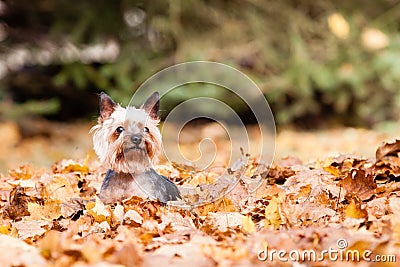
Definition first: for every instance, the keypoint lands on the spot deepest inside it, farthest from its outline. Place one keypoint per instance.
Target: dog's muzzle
(133, 142)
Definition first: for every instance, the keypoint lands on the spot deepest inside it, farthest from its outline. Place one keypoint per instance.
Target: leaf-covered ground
(346, 204)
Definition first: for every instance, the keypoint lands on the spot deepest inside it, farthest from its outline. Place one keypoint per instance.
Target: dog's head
(127, 139)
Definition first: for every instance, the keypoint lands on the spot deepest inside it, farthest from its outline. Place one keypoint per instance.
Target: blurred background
(322, 65)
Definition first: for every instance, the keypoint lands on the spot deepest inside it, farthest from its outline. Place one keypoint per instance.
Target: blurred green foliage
(312, 69)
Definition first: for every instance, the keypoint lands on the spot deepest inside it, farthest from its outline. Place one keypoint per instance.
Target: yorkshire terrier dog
(128, 142)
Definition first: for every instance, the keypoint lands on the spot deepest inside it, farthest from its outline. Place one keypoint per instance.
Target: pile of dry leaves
(326, 213)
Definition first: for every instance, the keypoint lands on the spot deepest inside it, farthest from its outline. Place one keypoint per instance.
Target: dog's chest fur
(120, 186)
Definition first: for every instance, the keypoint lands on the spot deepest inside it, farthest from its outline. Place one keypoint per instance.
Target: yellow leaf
(339, 26)
(248, 224)
(332, 170)
(353, 210)
(76, 168)
(272, 214)
(99, 211)
(68, 166)
(5, 229)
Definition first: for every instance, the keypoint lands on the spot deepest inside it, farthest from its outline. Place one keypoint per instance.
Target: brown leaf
(297, 187)
(18, 204)
(277, 174)
(72, 209)
(305, 214)
(388, 149)
(387, 169)
(345, 163)
(359, 183)
(85, 189)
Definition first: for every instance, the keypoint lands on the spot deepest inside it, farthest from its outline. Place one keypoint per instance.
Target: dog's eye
(120, 129)
(145, 129)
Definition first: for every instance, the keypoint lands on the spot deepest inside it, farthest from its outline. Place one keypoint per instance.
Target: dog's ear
(152, 105)
(107, 106)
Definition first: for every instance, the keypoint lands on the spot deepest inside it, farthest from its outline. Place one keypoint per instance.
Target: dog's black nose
(136, 139)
